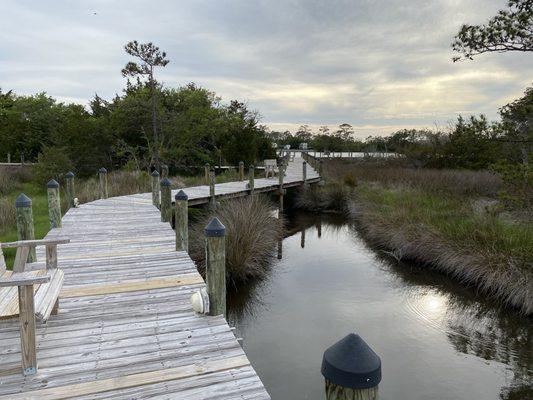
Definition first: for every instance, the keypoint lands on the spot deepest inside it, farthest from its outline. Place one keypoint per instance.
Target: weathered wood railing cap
(24, 279)
(22, 201)
(36, 242)
(155, 173)
(165, 182)
(69, 174)
(52, 184)
(351, 363)
(215, 228)
(181, 195)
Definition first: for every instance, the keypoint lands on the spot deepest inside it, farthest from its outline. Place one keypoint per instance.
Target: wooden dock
(126, 329)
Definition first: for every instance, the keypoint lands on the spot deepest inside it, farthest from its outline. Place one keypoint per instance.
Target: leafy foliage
(509, 30)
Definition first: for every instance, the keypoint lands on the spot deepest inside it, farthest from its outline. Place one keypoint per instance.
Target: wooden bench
(30, 294)
(271, 168)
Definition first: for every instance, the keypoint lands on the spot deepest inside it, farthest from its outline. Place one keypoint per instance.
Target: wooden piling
(212, 197)
(302, 239)
(156, 200)
(215, 258)
(9, 158)
(164, 171)
(27, 329)
(251, 177)
(102, 174)
(166, 200)
(182, 221)
(206, 173)
(54, 204)
(241, 171)
(304, 172)
(351, 370)
(25, 228)
(281, 190)
(69, 179)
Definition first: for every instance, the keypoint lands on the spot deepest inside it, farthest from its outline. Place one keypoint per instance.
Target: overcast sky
(378, 65)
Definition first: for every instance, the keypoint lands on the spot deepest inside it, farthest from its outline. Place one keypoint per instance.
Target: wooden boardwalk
(126, 329)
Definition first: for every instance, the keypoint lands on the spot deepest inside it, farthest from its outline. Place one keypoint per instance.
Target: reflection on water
(436, 339)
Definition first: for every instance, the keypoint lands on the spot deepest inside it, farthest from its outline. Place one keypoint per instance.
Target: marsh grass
(252, 234)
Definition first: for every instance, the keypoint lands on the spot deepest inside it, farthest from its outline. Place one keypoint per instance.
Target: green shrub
(53, 163)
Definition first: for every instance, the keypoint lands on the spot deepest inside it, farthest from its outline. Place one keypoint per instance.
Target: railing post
(304, 172)
(351, 369)
(9, 158)
(206, 173)
(215, 256)
(69, 178)
(281, 191)
(27, 329)
(251, 177)
(25, 228)
(164, 171)
(156, 200)
(102, 174)
(166, 200)
(212, 197)
(54, 204)
(182, 221)
(241, 171)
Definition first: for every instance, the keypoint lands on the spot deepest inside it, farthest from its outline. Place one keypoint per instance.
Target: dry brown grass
(119, 183)
(7, 215)
(455, 182)
(252, 236)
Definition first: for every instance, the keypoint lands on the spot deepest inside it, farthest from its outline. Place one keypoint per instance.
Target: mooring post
(54, 204)
(25, 228)
(302, 239)
(251, 177)
(182, 221)
(9, 158)
(215, 256)
(241, 171)
(281, 191)
(212, 197)
(352, 370)
(320, 166)
(164, 171)
(166, 200)
(304, 173)
(206, 173)
(156, 188)
(69, 179)
(102, 174)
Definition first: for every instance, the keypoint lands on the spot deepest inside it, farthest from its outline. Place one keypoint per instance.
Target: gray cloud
(378, 65)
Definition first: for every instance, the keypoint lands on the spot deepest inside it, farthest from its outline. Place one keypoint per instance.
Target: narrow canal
(436, 339)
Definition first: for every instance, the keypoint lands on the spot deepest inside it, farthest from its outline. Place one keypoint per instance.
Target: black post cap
(181, 195)
(215, 228)
(165, 182)
(102, 170)
(155, 173)
(52, 184)
(22, 201)
(69, 174)
(351, 363)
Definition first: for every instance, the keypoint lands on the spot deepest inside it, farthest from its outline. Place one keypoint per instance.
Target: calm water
(435, 339)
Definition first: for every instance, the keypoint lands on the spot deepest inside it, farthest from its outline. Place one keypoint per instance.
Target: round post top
(252, 166)
(102, 170)
(351, 363)
(207, 164)
(155, 173)
(215, 228)
(22, 201)
(181, 195)
(241, 162)
(52, 184)
(165, 182)
(69, 174)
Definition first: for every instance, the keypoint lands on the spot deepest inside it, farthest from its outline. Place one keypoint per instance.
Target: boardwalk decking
(126, 329)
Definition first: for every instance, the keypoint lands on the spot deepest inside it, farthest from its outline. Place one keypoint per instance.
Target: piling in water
(215, 257)
(182, 221)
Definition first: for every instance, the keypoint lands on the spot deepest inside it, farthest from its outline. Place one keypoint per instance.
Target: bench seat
(45, 294)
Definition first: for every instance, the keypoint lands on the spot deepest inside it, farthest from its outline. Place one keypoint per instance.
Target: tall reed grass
(252, 236)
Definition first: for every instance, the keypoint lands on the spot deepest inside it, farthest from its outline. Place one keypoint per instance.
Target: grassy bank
(447, 219)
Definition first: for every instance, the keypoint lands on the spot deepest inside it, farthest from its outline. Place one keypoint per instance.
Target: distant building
(303, 146)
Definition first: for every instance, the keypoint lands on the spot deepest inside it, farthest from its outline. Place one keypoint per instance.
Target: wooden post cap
(165, 182)
(181, 195)
(22, 201)
(241, 163)
(155, 173)
(215, 228)
(351, 363)
(69, 174)
(102, 170)
(52, 184)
